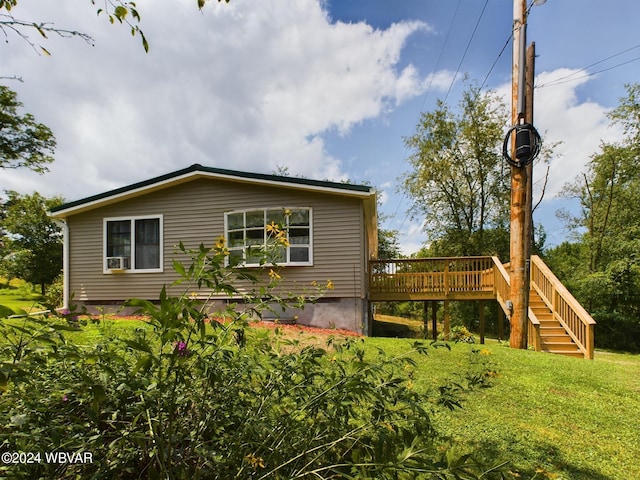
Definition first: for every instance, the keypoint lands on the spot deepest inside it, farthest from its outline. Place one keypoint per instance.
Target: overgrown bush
(460, 334)
(193, 397)
(54, 297)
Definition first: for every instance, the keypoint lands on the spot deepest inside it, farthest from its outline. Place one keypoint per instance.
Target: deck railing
(470, 278)
(503, 292)
(502, 285)
(564, 306)
(438, 276)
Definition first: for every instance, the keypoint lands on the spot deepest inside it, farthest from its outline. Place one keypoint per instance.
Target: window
(248, 233)
(133, 244)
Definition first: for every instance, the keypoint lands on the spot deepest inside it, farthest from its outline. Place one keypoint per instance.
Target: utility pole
(529, 81)
(518, 235)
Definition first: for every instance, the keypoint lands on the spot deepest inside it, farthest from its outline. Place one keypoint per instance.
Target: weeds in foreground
(190, 398)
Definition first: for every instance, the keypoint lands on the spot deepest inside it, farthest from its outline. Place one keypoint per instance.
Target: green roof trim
(195, 168)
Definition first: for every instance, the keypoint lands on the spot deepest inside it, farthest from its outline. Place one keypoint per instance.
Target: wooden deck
(557, 322)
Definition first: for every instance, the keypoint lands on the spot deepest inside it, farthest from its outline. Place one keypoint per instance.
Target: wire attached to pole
(528, 143)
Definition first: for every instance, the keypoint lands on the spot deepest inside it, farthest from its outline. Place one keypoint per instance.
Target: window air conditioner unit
(116, 263)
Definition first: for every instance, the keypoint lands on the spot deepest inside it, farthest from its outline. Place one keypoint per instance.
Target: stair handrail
(566, 309)
(533, 331)
(501, 284)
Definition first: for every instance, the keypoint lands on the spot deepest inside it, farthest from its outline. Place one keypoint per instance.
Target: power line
(568, 78)
(444, 44)
(495, 62)
(475, 29)
(506, 44)
(471, 38)
(424, 99)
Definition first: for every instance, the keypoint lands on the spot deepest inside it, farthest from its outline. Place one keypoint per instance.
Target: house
(120, 244)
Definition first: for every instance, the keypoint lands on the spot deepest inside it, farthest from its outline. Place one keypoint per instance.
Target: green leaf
(120, 12)
(138, 346)
(179, 268)
(144, 364)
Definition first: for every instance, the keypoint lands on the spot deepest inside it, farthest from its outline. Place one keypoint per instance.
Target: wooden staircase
(553, 337)
(557, 322)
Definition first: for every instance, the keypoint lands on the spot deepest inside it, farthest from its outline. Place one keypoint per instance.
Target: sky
(322, 89)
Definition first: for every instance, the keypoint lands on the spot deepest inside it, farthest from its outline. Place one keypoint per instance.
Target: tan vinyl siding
(194, 213)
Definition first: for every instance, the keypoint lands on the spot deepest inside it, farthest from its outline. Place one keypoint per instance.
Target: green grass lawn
(552, 417)
(19, 298)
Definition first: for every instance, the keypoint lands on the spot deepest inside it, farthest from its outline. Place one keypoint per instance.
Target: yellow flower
(220, 242)
(273, 228)
(329, 285)
(283, 241)
(254, 461)
(287, 212)
(274, 275)
(484, 351)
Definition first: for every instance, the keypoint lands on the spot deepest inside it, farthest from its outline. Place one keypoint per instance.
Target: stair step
(559, 346)
(566, 353)
(553, 336)
(549, 323)
(552, 330)
(548, 339)
(540, 308)
(538, 305)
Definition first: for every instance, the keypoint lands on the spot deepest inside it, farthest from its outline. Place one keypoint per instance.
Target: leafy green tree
(32, 240)
(23, 141)
(606, 278)
(388, 243)
(458, 182)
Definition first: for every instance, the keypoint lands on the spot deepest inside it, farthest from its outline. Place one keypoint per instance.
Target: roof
(198, 171)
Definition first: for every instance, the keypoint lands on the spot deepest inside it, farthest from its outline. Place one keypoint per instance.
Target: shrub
(460, 334)
(193, 398)
(54, 297)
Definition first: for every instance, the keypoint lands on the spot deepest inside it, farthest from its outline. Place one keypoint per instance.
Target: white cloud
(580, 126)
(559, 116)
(245, 85)
(412, 238)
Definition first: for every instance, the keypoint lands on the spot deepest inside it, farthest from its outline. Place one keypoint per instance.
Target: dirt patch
(286, 327)
(293, 328)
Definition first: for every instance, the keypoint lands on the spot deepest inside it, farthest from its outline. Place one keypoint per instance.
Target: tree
(458, 181)
(33, 241)
(23, 141)
(607, 230)
(388, 246)
(120, 11)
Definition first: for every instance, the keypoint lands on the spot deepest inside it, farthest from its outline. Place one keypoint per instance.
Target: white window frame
(287, 262)
(132, 258)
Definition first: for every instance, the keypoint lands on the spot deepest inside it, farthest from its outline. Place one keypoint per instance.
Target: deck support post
(481, 303)
(447, 321)
(425, 319)
(434, 320)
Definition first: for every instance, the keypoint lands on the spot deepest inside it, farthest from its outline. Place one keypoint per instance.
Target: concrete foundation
(339, 313)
